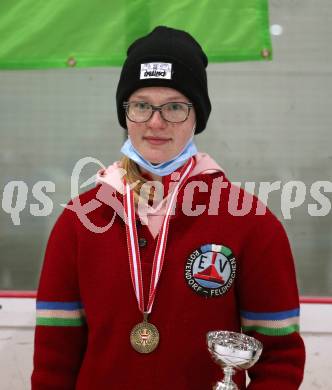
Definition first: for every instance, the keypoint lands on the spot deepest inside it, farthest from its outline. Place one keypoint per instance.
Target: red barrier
(17, 294)
(32, 294)
(320, 300)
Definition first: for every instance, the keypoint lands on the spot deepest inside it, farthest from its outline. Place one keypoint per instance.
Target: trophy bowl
(232, 351)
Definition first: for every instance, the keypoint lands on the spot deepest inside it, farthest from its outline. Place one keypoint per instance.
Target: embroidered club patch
(156, 70)
(210, 270)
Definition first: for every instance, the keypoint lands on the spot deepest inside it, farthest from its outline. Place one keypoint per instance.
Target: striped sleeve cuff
(60, 313)
(279, 323)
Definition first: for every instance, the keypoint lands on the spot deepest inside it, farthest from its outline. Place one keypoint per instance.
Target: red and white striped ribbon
(132, 240)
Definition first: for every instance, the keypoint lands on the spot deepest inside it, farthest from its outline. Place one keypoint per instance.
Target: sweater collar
(113, 174)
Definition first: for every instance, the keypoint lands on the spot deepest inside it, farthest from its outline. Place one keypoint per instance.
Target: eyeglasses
(174, 112)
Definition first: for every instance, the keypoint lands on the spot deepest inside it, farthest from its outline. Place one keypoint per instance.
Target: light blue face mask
(164, 168)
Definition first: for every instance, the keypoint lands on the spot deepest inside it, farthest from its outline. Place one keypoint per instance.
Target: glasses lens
(175, 112)
(139, 111)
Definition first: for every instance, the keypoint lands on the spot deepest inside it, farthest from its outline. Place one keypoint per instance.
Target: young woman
(129, 306)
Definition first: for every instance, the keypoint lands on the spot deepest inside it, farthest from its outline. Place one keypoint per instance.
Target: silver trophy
(232, 351)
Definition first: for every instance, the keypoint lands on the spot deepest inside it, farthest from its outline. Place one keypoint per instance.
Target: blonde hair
(133, 175)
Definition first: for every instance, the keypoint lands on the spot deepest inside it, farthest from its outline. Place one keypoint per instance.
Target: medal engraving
(144, 337)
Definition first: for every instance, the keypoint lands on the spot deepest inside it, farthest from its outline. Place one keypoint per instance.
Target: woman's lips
(156, 140)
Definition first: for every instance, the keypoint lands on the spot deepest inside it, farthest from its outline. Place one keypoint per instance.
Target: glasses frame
(156, 108)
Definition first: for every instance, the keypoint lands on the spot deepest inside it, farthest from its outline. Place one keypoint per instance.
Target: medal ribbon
(132, 240)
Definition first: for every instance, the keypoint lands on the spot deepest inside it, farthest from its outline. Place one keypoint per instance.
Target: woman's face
(158, 140)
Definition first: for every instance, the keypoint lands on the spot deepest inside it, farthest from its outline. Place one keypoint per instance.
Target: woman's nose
(157, 120)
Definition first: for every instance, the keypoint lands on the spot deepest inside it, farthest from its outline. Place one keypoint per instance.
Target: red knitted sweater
(86, 305)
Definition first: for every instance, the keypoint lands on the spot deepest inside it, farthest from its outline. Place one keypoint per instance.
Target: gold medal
(144, 337)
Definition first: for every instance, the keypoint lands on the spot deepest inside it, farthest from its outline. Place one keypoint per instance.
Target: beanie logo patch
(156, 70)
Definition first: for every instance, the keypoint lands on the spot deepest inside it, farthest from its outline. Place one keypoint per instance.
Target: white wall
(270, 122)
(16, 344)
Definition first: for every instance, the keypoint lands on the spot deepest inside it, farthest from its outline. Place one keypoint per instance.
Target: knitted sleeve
(269, 304)
(60, 335)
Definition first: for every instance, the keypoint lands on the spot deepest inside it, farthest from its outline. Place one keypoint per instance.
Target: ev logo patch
(210, 270)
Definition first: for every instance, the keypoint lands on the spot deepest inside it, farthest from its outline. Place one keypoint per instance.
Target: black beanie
(169, 58)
